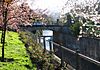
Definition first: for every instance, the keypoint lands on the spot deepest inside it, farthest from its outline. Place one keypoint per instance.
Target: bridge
(44, 27)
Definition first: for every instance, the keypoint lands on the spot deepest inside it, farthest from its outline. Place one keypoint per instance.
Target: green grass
(15, 50)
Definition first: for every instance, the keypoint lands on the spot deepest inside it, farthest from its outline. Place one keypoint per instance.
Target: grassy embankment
(37, 55)
(16, 57)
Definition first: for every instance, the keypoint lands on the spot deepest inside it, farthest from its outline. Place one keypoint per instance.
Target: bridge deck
(42, 27)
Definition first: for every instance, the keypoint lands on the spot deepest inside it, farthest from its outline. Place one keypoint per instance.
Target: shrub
(36, 50)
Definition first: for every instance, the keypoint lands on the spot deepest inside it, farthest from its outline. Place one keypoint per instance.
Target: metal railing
(74, 58)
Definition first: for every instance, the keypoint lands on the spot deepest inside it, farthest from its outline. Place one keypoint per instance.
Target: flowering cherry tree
(17, 14)
(12, 14)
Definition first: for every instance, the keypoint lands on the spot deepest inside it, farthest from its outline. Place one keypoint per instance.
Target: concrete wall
(87, 46)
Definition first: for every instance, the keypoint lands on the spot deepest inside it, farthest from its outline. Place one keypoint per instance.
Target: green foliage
(75, 28)
(37, 56)
(75, 25)
(66, 20)
(16, 57)
(90, 22)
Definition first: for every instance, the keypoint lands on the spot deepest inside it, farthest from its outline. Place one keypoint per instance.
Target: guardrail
(74, 58)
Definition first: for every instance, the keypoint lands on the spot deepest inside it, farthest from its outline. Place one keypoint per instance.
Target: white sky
(53, 5)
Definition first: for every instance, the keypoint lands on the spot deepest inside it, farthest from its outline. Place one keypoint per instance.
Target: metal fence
(75, 59)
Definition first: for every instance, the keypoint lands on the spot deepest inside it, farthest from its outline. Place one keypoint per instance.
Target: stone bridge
(59, 28)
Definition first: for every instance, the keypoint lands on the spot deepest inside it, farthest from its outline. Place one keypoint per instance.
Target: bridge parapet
(43, 27)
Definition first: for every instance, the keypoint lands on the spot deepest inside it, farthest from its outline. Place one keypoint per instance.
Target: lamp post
(5, 12)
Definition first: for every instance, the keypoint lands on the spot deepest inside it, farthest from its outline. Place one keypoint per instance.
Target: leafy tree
(69, 19)
(75, 28)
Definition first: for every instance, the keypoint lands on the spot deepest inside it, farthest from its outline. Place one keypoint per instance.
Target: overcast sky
(54, 5)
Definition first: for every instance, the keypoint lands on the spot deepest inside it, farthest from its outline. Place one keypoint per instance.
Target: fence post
(51, 51)
(50, 44)
(44, 44)
(77, 60)
(62, 58)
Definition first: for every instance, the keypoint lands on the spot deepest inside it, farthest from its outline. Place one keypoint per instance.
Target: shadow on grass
(30, 56)
(7, 59)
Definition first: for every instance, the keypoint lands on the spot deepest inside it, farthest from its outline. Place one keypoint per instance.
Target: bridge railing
(74, 58)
